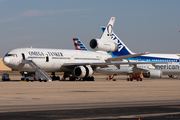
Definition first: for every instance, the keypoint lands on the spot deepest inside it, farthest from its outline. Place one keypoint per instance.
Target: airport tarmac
(99, 99)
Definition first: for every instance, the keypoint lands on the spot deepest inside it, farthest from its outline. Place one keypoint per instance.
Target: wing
(71, 66)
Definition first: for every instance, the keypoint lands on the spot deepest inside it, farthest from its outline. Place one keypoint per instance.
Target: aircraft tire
(27, 80)
(92, 78)
(72, 78)
(127, 79)
(58, 78)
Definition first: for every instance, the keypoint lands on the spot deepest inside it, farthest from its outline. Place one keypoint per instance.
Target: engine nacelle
(101, 45)
(153, 74)
(82, 71)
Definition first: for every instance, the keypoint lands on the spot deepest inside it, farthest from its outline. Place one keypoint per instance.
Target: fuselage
(50, 59)
(166, 68)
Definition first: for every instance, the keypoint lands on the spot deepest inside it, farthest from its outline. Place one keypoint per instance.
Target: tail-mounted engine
(153, 74)
(82, 71)
(101, 45)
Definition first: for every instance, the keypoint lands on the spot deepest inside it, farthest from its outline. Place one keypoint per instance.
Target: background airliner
(170, 67)
(74, 63)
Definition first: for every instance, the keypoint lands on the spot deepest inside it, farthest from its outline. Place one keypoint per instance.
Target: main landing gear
(73, 78)
(81, 79)
(137, 77)
(54, 77)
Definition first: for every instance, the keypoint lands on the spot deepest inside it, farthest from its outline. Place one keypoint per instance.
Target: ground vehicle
(30, 77)
(5, 77)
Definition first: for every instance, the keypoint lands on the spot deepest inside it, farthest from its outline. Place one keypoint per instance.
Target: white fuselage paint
(50, 59)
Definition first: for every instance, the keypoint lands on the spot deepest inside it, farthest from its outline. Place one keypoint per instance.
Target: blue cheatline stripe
(153, 59)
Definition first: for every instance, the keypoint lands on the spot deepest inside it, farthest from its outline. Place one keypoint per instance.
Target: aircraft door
(47, 58)
(23, 56)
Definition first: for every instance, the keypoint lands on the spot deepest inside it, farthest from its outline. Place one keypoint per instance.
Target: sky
(143, 25)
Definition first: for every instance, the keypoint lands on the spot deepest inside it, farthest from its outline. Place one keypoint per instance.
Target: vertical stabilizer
(79, 45)
(107, 34)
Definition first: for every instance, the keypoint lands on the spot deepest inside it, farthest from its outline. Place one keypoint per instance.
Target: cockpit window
(14, 55)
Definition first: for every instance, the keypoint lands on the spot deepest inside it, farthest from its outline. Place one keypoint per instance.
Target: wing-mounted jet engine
(83, 72)
(102, 45)
(153, 74)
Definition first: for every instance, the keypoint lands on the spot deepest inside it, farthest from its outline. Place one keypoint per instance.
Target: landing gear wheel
(58, 78)
(128, 79)
(137, 79)
(92, 78)
(72, 79)
(27, 80)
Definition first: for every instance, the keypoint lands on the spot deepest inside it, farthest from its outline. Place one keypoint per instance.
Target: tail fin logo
(109, 30)
(79, 45)
(112, 19)
(117, 41)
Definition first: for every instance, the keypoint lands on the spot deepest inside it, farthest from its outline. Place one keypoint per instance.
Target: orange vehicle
(137, 77)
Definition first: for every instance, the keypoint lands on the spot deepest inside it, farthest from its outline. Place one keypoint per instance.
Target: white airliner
(74, 63)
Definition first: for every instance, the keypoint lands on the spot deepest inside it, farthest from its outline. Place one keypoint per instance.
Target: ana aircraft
(74, 63)
(171, 65)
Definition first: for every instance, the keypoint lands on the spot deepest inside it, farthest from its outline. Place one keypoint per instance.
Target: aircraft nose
(6, 60)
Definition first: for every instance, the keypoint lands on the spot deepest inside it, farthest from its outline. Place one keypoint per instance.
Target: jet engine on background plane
(153, 74)
(83, 72)
(101, 45)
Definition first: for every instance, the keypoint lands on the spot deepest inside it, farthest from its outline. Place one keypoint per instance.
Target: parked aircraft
(74, 63)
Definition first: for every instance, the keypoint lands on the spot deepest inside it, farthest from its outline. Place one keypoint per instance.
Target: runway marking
(133, 116)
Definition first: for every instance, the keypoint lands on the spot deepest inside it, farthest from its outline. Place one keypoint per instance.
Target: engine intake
(82, 71)
(102, 45)
(153, 74)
